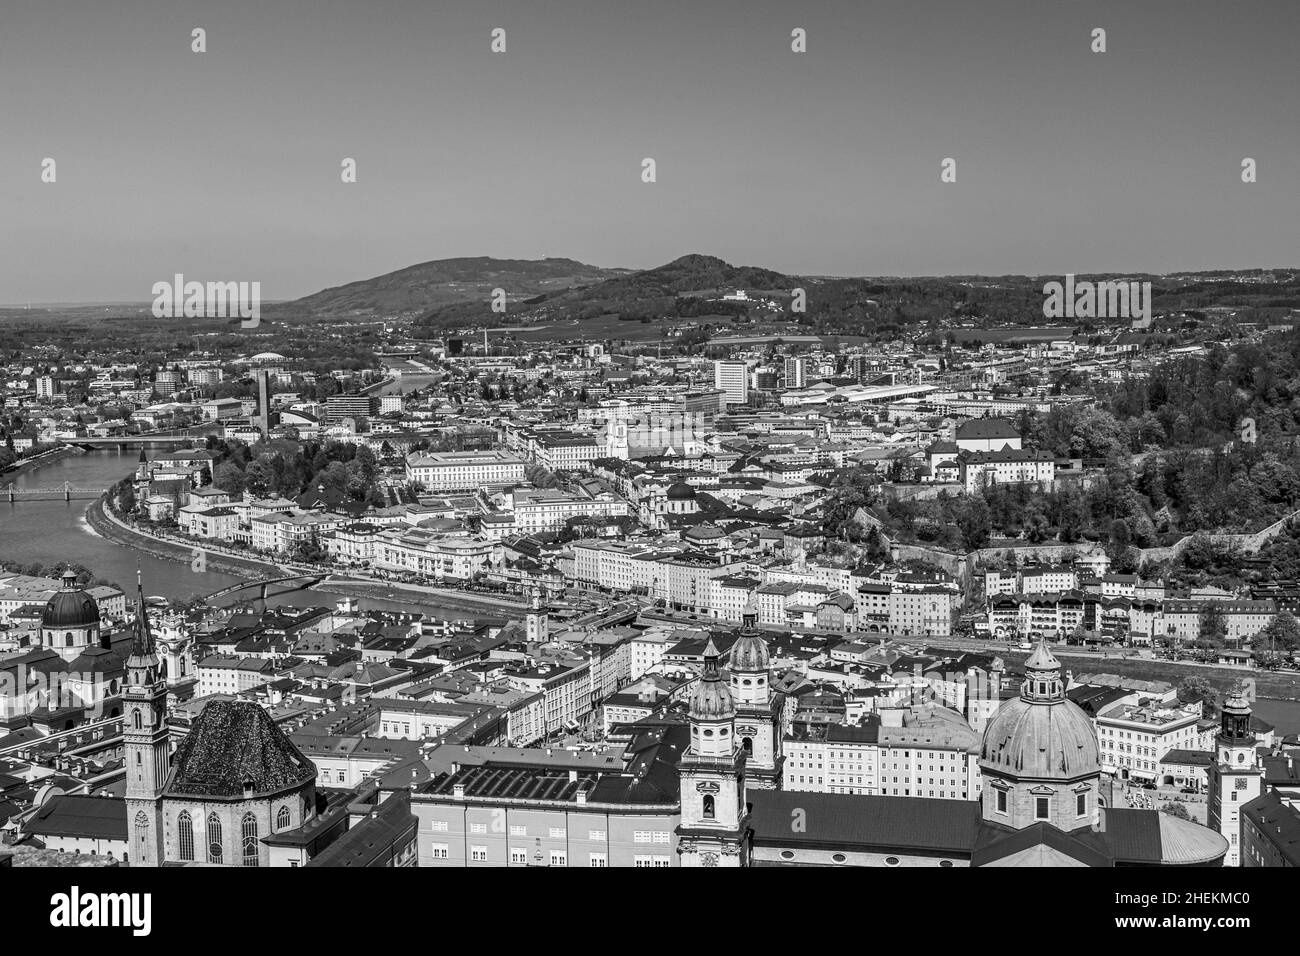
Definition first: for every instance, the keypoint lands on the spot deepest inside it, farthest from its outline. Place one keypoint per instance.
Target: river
(51, 532)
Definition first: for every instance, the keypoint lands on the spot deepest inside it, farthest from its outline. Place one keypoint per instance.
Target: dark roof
(997, 842)
(376, 840)
(234, 743)
(1277, 822)
(978, 429)
(845, 821)
(78, 815)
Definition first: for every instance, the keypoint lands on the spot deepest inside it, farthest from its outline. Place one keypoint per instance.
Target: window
(438, 826)
(557, 833)
(438, 851)
(559, 858)
(478, 854)
(599, 860)
(1002, 801)
(282, 818)
(517, 830)
(478, 828)
(185, 835)
(1081, 804)
(1042, 808)
(248, 831)
(708, 809)
(215, 853)
(596, 835)
(518, 856)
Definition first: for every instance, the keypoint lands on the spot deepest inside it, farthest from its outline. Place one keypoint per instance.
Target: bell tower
(711, 777)
(1235, 777)
(536, 625)
(145, 739)
(758, 724)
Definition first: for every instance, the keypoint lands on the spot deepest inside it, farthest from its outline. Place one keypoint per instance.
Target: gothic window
(215, 852)
(137, 720)
(185, 835)
(708, 808)
(282, 818)
(248, 831)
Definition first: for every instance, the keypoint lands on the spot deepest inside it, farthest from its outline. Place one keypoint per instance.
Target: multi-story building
(732, 378)
(927, 612)
(463, 470)
(1134, 737)
(555, 809)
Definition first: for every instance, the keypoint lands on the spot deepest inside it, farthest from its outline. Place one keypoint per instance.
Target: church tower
(145, 736)
(1235, 775)
(711, 775)
(758, 724)
(536, 625)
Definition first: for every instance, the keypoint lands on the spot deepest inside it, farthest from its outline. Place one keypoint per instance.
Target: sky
(225, 165)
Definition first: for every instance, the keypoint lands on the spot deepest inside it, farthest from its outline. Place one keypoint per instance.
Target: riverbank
(482, 606)
(24, 465)
(111, 528)
(1275, 685)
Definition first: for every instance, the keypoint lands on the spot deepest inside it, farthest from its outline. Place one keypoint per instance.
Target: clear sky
(226, 165)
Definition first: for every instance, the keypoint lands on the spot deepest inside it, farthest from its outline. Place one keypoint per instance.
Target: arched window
(185, 835)
(142, 836)
(248, 829)
(215, 854)
(282, 818)
(748, 744)
(137, 720)
(708, 808)
(67, 639)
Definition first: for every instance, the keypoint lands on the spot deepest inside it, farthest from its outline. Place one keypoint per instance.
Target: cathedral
(1043, 802)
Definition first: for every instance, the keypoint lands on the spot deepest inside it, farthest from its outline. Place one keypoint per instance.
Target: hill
(418, 288)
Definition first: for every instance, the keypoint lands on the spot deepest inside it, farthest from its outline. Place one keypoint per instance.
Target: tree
(974, 523)
(1279, 639)
(1198, 690)
(1175, 809)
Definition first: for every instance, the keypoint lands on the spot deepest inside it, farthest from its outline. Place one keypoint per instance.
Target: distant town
(635, 572)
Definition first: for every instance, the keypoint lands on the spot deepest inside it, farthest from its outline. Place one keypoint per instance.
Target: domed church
(1042, 805)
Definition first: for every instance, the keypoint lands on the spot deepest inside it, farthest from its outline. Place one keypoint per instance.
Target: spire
(142, 641)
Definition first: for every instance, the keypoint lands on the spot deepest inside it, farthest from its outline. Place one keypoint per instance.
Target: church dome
(1041, 735)
(711, 700)
(681, 491)
(1042, 741)
(70, 607)
(749, 653)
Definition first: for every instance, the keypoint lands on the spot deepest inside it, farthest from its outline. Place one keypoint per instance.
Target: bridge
(309, 580)
(173, 438)
(13, 494)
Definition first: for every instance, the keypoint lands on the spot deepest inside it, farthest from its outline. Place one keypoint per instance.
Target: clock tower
(714, 817)
(1235, 775)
